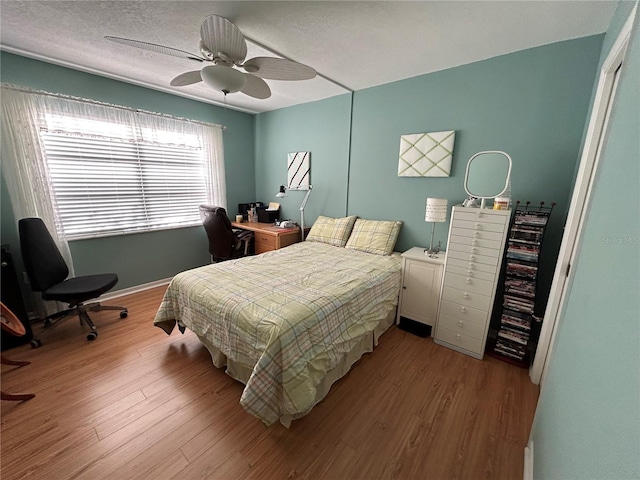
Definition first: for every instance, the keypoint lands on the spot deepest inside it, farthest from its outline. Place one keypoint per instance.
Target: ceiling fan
(222, 44)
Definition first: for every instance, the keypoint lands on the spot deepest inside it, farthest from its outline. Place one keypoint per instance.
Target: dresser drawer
(474, 241)
(480, 216)
(460, 340)
(473, 258)
(473, 249)
(479, 226)
(468, 284)
(466, 298)
(473, 266)
(470, 233)
(460, 312)
(470, 273)
(457, 325)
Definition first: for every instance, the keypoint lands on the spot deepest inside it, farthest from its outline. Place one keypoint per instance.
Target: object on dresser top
(488, 175)
(472, 266)
(261, 311)
(225, 242)
(515, 338)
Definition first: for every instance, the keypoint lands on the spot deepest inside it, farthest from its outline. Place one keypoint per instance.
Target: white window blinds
(107, 181)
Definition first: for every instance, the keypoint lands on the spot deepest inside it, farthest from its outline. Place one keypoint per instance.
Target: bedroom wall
(531, 104)
(144, 257)
(587, 424)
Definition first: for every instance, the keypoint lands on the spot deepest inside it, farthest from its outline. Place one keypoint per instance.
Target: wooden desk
(269, 237)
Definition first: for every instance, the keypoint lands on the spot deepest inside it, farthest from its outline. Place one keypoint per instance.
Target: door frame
(580, 200)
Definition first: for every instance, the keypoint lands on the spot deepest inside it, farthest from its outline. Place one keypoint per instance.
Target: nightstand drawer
(460, 340)
(468, 284)
(461, 312)
(466, 298)
(474, 330)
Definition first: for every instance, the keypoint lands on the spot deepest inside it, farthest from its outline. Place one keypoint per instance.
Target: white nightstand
(421, 281)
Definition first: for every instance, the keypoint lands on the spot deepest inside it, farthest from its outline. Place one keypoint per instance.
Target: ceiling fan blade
(256, 87)
(187, 78)
(220, 35)
(155, 48)
(278, 69)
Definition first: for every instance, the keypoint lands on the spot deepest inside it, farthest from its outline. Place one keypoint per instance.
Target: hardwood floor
(136, 403)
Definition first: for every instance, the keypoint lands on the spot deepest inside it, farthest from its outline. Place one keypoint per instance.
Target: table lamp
(436, 212)
(282, 193)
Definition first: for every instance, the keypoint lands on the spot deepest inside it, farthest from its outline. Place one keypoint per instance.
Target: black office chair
(225, 242)
(47, 272)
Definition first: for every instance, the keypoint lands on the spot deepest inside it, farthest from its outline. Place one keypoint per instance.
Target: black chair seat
(80, 289)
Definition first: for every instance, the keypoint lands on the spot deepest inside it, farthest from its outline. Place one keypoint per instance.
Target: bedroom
(349, 152)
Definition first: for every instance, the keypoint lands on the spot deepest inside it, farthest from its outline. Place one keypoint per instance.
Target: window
(108, 179)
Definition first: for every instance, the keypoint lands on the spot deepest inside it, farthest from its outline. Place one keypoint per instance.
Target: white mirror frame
(506, 183)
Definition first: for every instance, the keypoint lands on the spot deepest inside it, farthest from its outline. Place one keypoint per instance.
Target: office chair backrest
(222, 240)
(42, 260)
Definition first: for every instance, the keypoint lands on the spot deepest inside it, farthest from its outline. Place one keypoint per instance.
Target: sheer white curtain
(24, 164)
(25, 167)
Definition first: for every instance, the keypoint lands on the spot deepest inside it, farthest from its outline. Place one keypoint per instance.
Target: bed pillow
(374, 236)
(334, 231)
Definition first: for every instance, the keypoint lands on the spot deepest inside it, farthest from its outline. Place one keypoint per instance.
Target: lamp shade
(223, 79)
(282, 192)
(436, 210)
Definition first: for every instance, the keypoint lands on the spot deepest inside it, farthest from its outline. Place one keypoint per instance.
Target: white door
(596, 134)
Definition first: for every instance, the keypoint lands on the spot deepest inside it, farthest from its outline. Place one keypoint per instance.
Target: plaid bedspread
(290, 314)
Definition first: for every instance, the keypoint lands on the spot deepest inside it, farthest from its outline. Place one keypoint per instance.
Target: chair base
(81, 310)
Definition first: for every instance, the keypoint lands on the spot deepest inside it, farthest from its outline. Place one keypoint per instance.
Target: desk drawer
(474, 330)
(467, 298)
(264, 242)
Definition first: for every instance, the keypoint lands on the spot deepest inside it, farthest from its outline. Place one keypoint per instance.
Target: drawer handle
(466, 295)
(476, 234)
(478, 226)
(469, 273)
(463, 309)
(460, 323)
(474, 249)
(458, 337)
(471, 267)
(468, 280)
(472, 257)
(474, 241)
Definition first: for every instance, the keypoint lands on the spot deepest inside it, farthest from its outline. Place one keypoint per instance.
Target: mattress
(290, 316)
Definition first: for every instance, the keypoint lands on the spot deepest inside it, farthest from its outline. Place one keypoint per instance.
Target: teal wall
(531, 104)
(587, 423)
(145, 257)
(321, 128)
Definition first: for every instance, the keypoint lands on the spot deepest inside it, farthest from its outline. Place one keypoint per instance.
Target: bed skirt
(242, 373)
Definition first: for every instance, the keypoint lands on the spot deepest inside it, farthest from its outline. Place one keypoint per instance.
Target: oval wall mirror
(487, 175)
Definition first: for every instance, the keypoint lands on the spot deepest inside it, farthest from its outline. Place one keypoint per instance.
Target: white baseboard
(528, 462)
(136, 289)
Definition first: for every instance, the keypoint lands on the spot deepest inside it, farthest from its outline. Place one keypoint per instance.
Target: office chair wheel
(92, 336)
(124, 314)
(47, 322)
(35, 343)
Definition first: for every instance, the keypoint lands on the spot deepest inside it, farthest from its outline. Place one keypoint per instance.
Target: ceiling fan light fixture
(223, 79)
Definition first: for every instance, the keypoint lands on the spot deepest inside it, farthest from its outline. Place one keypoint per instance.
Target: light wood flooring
(136, 403)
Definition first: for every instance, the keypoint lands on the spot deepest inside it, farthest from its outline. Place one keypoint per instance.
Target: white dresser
(472, 267)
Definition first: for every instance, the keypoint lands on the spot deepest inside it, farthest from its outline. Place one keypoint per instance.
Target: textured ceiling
(356, 44)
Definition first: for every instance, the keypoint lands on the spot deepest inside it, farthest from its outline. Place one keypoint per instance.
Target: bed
(286, 323)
